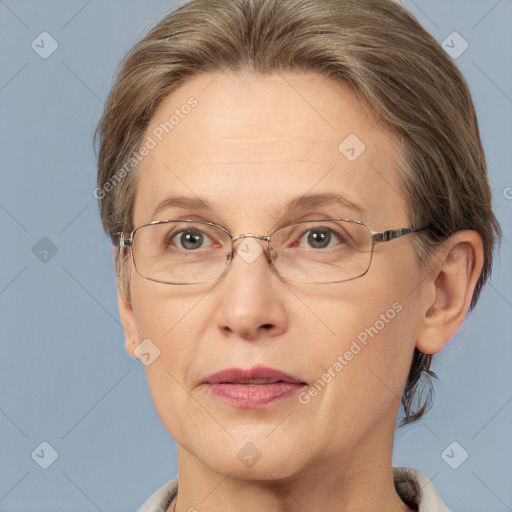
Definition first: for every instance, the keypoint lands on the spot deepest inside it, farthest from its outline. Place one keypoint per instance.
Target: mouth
(252, 388)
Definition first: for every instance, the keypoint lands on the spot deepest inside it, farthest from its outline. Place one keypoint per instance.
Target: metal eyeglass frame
(383, 236)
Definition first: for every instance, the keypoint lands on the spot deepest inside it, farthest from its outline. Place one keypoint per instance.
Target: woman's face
(249, 146)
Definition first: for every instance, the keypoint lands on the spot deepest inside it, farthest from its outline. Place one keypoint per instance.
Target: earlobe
(458, 267)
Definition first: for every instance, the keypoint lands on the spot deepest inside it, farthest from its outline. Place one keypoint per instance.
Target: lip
(243, 376)
(253, 388)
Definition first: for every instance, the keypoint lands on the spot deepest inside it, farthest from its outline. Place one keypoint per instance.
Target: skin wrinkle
(346, 433)
(261, 162)
(264, 139)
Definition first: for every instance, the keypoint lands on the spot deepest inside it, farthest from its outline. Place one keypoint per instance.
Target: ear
(125, 309)
(457, 267)
(128, 322)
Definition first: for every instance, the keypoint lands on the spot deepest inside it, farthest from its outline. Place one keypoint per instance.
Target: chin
(251, 454)
(269, 467)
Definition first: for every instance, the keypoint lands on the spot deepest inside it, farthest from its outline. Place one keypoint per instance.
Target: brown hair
(375, 46)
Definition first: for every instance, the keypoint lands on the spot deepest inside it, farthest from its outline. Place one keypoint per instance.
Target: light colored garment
(411, 485)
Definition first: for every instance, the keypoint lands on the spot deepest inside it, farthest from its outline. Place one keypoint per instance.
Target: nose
(252, 297)
(251, 258)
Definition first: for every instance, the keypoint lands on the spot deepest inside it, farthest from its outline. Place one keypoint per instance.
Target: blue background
(64, 375)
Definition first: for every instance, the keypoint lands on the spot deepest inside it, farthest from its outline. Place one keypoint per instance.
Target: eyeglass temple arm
(391, 234)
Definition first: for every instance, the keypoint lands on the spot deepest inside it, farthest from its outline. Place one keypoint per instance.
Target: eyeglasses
(313, 251)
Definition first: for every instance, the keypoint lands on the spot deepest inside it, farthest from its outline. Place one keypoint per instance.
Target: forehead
(248, 144)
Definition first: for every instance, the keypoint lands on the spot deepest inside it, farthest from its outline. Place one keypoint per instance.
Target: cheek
(373, 336)
(361, 357)
(357, 378)
(161, 309)
(174, 321)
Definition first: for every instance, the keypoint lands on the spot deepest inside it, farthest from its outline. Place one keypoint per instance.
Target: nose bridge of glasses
(253, 235)
(250, 235)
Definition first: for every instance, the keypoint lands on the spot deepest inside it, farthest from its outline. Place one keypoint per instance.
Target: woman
(299, 196)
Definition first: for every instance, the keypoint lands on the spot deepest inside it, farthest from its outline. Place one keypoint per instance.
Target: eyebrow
(297, 204)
